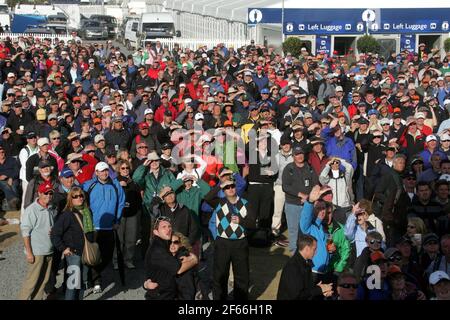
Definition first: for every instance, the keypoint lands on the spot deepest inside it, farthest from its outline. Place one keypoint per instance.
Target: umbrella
(120, 262)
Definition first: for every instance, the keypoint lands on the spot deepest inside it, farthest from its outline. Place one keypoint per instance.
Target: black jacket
(297, 180)
(133, 198)
(161, 267)
(33, 163)
(120, 138)
(182, 219)
(67, 232)
(296, 282)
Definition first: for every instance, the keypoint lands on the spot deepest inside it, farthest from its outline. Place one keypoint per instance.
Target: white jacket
(341, 186)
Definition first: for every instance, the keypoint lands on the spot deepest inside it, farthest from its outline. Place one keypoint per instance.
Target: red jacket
(316, 163)
(194, 92)
(426, 130)
(87, 171)
(212, 169)
(159, 114)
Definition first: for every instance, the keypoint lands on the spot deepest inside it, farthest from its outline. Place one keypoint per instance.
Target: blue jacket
(354, 233)
(426, 156)
(102, 201)
(262, 82)
(241, 185)
(315, 229)
(344, 149)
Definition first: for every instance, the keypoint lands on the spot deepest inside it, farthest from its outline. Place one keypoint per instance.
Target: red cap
(194, 77)
(258, 68)
(97, 120)
(377, 256)
(76, 99)
(45, 187)
(164, 95)
(143, 125)
(227, 123)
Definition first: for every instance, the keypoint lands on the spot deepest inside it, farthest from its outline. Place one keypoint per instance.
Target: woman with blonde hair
(415, 230)
(180, 247)
(68, 237)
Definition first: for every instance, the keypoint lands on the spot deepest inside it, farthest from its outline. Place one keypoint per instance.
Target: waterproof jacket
(344, 149)
(193, 197)
(150, 184)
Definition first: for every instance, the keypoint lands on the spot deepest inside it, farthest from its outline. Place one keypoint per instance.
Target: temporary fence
(16, 36)
(194, 44)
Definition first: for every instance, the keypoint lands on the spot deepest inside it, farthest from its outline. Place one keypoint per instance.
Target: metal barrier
(194, 44)
(15, 36)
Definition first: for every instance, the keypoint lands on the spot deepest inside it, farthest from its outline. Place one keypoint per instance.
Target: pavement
(265, 270)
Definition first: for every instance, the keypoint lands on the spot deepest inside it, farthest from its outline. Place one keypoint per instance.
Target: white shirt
(23, 157)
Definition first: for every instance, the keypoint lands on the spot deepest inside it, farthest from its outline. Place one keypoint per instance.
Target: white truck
(148, 27)
(5, 18)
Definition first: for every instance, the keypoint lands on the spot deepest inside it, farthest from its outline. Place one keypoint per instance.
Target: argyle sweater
(220, 223)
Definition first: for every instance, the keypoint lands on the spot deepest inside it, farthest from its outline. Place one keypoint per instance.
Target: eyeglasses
(56, 138)
(373, 241)
(143, 147)
(175, 242)
(231, 186)
(93, 99)
(125, 168)
(48, 193)
(411, 178)
(349, 285)
(78, 196)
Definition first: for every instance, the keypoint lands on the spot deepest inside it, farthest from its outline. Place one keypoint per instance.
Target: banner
(355, 21)
(323, 44)
(408, 42)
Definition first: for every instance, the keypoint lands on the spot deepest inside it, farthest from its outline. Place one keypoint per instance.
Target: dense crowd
(185, 158)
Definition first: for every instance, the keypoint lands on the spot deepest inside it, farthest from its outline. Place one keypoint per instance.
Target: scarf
(88, 226)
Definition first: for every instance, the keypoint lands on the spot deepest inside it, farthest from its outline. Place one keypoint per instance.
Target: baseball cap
(377, 256)
(227, 183)
(265, 91)
(117, 119)
(72, 157)
(391, 252)
(199, 116)
(106, 109)
(44, 164)
(52, 116)
(97, 121)
(45, 187)
(385, 121)
(143, 125)
(98, 138)
(148, 111)
(31, 134)
(166, 146)
(101, 166)
(66, 173)
(363, 120)
(339, 89)
(420, 115)
(298, 150)
(42, 141)
(430, 237)
(152, 156)
(438, 276)
(168, 113)
(431, 137)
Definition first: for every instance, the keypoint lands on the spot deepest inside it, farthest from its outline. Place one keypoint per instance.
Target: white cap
(204, 55)
(101, 166)
(187, 100)
(148, 111)
(420, 115)
(445, 136)
(431, 138)
(43, 141)
(182, 85)
(91, 60)
(98, 138)
(440, 79)
(390, 63)
(106, 109)
(437, 276)
(199, 116)
(385, 121)
(445, 177)
(11, 75)
(338, 89)
(63, 52)
(184, 65)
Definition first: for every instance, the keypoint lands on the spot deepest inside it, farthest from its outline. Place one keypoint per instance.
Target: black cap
(405, 239)
(409, 174)
(168, 113)
(430, 237)
(110, 152)
(166, 146)
(31, 134)
(397, 115)
(85, 106)
(44, 164)
(363, 120)
(297, 150)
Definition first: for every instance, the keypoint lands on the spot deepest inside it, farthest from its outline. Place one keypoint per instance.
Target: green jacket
(340, 257)
(150, 184)
(193, 197)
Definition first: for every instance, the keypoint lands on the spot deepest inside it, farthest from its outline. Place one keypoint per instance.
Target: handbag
(91, 251)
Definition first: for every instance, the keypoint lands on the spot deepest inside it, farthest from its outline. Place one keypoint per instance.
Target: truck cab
(110, 21)
(155, 25)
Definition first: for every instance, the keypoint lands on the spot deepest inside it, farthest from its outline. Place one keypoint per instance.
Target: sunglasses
(373, 241)
(175, 242)
(411, 179)
(231, 186)
(125, 168)
(411, 227)
(395, 258)
(56, 138)
(78, 196)
(432, 242)
(335, 162)
(93, 99)
(349, 285)
(48, 193)
(143, 147)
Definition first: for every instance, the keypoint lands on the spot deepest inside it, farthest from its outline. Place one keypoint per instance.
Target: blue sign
(408, 42)
(323, 44)
(355, 21)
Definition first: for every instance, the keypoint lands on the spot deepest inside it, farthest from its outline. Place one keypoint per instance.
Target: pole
(282, 21)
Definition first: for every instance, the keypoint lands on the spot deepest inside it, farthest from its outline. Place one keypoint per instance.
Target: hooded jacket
(341, 186)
